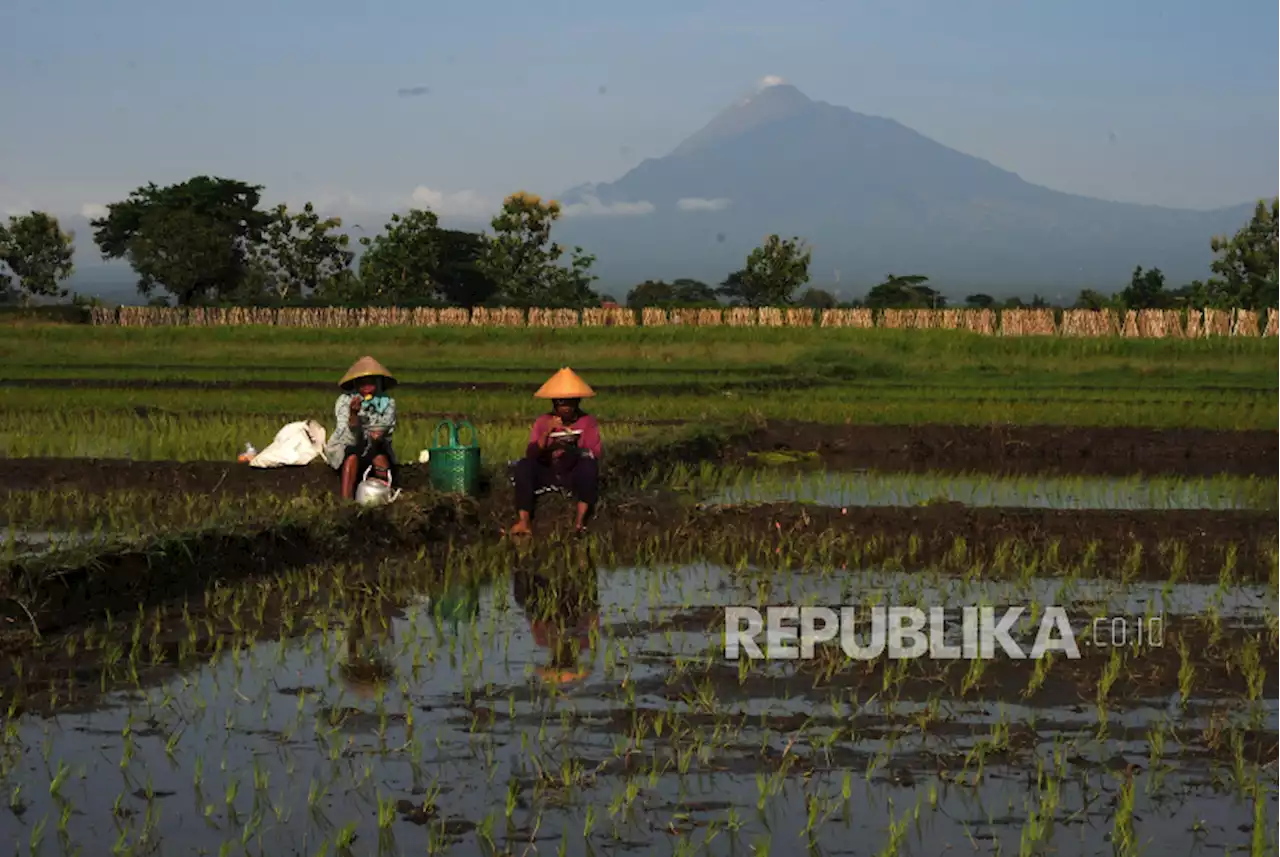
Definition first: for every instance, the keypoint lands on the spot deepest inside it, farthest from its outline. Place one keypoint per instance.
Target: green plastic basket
(454, 467)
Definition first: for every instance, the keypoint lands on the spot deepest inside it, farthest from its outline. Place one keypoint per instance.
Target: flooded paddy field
(201, 658)
(550, 700)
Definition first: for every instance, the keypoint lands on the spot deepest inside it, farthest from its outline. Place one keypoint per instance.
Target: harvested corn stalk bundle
(1160, 323)
(1273, 323)
(799, 317)
(770, 317)
(896, 319)
(425, 316)
(554, 317)
(480, 317)
(742, 316)
(1195, 323)
(1217, 322)
(1130, 327)
(652, 316)
(595, 317)
(709, 317)
(925, 319)
(685, 317)
(101, 315)
(621, 317)
(948, 319)
(1089, 322)
(1027, 322)
(1245, 323)
(979, 321)
(508, 316)
(454, 317)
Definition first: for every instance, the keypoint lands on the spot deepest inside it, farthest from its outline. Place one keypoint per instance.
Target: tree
(1094, 300)
(458, 275)
(773, 272)
(651, 293)
(192, 239)
(1246, 263)
(521, 259)
(1145, 290)
(38, 253)
(400, 264)
(817, 299)
(904, 292)
(980, 301)
(298, 255)
(687, 291)
(1194, 295)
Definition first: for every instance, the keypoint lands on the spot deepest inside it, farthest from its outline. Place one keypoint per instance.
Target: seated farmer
(366, 418)
(564, 451)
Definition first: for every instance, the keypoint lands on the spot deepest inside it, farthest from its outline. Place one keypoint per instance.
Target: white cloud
(93, 210)
(770, 80)
(463, 203)
(694, 203)
(593, 207)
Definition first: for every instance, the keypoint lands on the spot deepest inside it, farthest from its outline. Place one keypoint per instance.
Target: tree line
(208, 241)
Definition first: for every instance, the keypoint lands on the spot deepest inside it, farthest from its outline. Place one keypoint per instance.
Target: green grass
(820, 375)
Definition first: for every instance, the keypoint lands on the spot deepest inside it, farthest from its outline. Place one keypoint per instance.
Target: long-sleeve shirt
(371, 418)
(588, 441)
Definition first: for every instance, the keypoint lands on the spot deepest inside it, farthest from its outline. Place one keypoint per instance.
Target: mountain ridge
(872, 196)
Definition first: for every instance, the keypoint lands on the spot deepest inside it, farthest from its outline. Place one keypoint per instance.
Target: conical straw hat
(565, 384)
(367, 367)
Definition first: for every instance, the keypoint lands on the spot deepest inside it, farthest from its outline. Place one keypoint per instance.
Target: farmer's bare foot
(520, 528)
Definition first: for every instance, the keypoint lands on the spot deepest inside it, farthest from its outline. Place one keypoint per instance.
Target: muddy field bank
(996, 450)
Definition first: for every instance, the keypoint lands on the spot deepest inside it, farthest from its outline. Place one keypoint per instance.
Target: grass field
(202, 658)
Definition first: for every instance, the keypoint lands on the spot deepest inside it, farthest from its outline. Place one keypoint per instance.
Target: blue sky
(1172, 102)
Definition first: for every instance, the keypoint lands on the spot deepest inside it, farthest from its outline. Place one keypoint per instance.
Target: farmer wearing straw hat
(563, 613)
(564, 451)
(366, 418)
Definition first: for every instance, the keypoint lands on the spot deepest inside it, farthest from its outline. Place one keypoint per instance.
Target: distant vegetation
(207, 242)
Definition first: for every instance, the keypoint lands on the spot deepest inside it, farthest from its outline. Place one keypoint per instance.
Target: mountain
(872, 197)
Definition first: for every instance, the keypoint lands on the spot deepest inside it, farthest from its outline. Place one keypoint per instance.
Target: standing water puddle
(870, 488)
(445, 728)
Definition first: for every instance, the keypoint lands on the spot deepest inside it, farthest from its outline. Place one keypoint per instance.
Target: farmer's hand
(354, 407)
(554, 424)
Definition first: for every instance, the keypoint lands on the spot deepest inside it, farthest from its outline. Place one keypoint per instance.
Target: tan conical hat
(367, 367)
(565, 384)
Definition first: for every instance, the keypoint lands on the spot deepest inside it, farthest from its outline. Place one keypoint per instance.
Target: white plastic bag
(295, 444)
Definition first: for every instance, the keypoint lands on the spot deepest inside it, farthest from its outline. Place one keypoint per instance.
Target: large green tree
(817, 299)
(1145, 290)
(299, 254)
(460, 280)
(1246, 265)
(191, 239)
(399, 264)
(525, 264)
(773, 272)
(905, 292)
(37, 253)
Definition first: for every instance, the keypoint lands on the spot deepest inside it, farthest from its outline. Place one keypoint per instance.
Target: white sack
(295, 444)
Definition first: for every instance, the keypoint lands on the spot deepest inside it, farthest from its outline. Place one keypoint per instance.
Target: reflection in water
(368, 662)
(562, 603)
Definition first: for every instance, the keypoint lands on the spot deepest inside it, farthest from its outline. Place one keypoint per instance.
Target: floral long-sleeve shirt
(377, 413)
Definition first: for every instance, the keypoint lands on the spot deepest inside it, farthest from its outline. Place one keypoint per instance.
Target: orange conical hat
(565, 384)
(367, 367)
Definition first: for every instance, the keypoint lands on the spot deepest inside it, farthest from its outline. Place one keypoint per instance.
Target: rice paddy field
(201, 658)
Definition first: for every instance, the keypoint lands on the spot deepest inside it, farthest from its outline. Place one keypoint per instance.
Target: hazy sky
(1169, 102)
